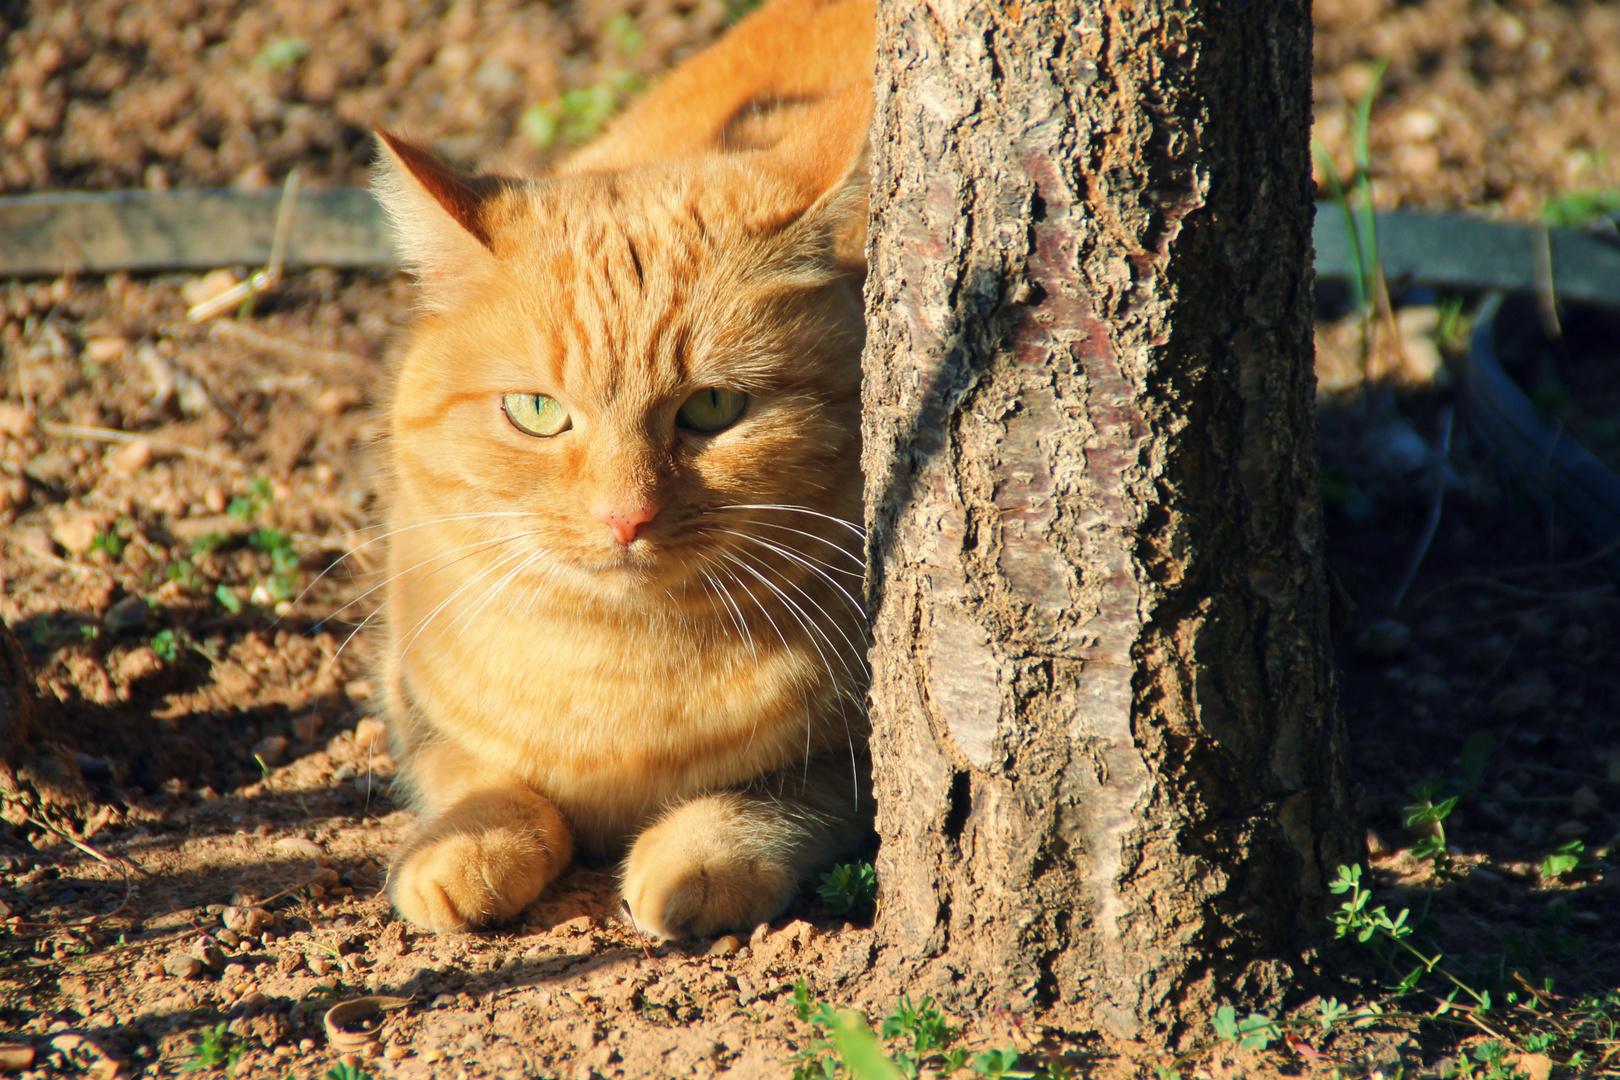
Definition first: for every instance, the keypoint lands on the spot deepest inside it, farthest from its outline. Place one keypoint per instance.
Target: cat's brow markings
(635, 261)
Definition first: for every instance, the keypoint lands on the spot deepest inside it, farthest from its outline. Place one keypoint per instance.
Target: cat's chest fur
(610, 710)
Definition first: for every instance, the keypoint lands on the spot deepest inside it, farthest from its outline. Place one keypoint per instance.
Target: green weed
(1451, 333)
(1525, 1018)
(278, 547)
(186, 573)
(850, 889)
(1564, 860)
(1340, 489)
(1254, 1032)
(914, 1038)
(345, 1071)
(281, 53)
(212, 1048)
(1434, 800)
(110, 543)
(255, 503)
(579, 113)
(626, 38)
(1356, 202)
(208, 542)
(1577, 209)
(165, 645)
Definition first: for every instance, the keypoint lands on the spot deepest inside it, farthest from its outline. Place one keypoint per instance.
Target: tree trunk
(1110, 776)
(33, 771)
(18, 705)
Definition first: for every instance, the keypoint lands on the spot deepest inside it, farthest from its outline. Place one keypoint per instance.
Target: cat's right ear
(439, 215)
(825, 161)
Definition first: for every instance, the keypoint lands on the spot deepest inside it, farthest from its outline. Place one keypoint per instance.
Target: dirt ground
(185, 601)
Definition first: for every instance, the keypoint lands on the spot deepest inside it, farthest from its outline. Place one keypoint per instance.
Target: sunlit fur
(691, 701)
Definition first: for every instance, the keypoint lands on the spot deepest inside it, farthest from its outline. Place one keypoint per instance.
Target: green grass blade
(859, 1048)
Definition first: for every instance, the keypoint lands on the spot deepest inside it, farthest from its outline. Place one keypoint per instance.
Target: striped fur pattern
(632, 638)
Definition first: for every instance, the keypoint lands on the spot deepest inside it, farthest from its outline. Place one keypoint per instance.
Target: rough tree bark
(1110, 779)
(34, 771)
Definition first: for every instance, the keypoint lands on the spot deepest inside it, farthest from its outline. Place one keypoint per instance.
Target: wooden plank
(48, 234)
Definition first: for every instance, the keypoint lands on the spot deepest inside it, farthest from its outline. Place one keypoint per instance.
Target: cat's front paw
(465, 871)
(692, 876)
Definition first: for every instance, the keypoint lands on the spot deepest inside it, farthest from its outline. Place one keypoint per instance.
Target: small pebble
(308, 727)
(132, 457)
(396, 1052)
(15, 420)
(1383, 639)
(183, 965)
(104, 350)
(271, 749)
(725, 946)
(128, 614)
(371, 735)
(212, 284)
(338, 400)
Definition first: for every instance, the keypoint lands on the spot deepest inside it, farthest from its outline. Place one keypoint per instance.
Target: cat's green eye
(711, 410)
(535, 414)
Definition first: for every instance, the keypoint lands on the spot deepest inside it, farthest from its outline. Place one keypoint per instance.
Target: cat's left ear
(825, 160)
(440, 217)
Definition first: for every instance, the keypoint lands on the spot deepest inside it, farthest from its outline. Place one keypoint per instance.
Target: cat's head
(607, 366)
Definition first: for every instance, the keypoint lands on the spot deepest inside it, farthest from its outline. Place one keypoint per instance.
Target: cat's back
(748, 91)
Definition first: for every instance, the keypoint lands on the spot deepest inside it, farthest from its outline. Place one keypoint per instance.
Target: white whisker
(732, 610)
(802, 560)
(812, 632)
(851, 526)
(427, 619)
(848, 554)
(431, 558)
(417, 524)
(813, 602)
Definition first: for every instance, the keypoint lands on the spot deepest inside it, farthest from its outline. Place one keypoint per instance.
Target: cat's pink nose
(625, 519)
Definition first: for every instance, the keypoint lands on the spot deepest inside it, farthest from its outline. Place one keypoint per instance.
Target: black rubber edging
(1555, 468)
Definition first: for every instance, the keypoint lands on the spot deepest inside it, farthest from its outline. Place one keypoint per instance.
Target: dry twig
(262, 280)
(267, 343)
(109, 435)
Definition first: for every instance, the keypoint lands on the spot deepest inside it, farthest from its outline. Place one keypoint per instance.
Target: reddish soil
(212, 681)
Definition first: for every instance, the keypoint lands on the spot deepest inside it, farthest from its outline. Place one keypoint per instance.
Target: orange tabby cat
(623, 453)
